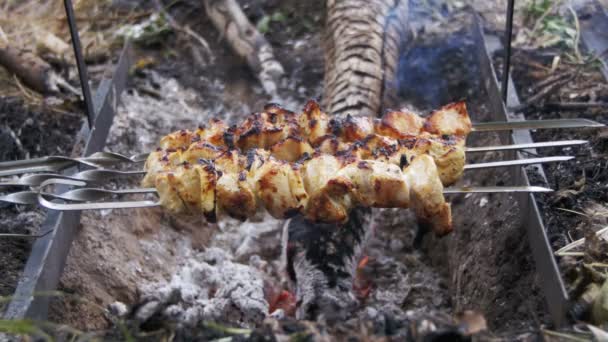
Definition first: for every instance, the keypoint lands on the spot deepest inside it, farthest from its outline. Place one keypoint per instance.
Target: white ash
(260, 235)
(146, 118)
(210, 286)
(483, 201)
(118, 309)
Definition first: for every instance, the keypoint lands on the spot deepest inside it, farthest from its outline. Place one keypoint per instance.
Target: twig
(32, 70)
(575, 105)
(550, 80)
(542, 17)
(185, 29)
(565, 250)
(577, 36)
(564, 336)
(25, 236)
(246, 41)
(3, 37)
(548, 90)
(572, 211)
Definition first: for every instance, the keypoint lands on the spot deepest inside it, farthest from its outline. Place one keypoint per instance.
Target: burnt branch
(30, 69)
(245, 40)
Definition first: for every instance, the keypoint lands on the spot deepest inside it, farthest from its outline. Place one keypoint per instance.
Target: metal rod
(507, 58)
(90, 198)
(58, 163)
(494, 189)
(517, 162)
(101, 175)
(82, 68)
(535, 124)
(560, 143)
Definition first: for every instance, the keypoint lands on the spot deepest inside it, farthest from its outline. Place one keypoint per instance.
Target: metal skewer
(535, 124)
(102, 175)
(92, 176)
(517, 162)
(88, 198)
(561, 143)
(105, 159)
(58, 163)
(95, 195)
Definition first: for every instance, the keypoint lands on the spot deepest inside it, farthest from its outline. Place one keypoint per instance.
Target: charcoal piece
(321, 261)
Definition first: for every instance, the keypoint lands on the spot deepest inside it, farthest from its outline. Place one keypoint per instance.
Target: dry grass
(41, 26)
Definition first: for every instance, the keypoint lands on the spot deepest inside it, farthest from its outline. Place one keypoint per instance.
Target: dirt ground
(579, 207)
(484, 265)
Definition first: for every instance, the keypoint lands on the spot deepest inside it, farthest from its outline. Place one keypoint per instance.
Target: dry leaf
(472, 322)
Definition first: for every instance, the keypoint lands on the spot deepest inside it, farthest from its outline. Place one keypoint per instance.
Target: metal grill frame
(49, 252)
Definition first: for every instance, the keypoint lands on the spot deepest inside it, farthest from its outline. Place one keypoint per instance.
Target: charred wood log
(30, 69)
(246, 41)
(362, 44)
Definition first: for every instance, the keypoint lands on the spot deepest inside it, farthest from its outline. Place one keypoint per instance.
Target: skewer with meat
(275, 124)
(447, 152)
(324, 188)
(290, 136)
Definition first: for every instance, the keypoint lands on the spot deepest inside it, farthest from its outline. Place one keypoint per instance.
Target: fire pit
(149, 267)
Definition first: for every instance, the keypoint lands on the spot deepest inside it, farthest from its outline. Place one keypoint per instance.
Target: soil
(27, 132)
(580, 204)
(581, 185)
(484, 265)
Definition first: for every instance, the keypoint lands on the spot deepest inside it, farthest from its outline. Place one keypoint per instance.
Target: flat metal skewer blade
(44, 166)
(91, 194)
(96, 194)
(560, 143)
(494, 189)
(21, 197)
(535, 124)
(516, 162)
(97, 205)
(58, 163)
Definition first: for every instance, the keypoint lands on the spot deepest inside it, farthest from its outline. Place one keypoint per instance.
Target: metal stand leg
(82, 68)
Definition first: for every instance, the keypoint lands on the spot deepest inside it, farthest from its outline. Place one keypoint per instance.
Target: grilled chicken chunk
(314, 165)
(448, 120)
(275, 124)
(325, 188)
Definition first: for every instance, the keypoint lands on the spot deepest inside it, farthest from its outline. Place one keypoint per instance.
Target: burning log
(362, 49)
(321, 260)
(246, 41)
